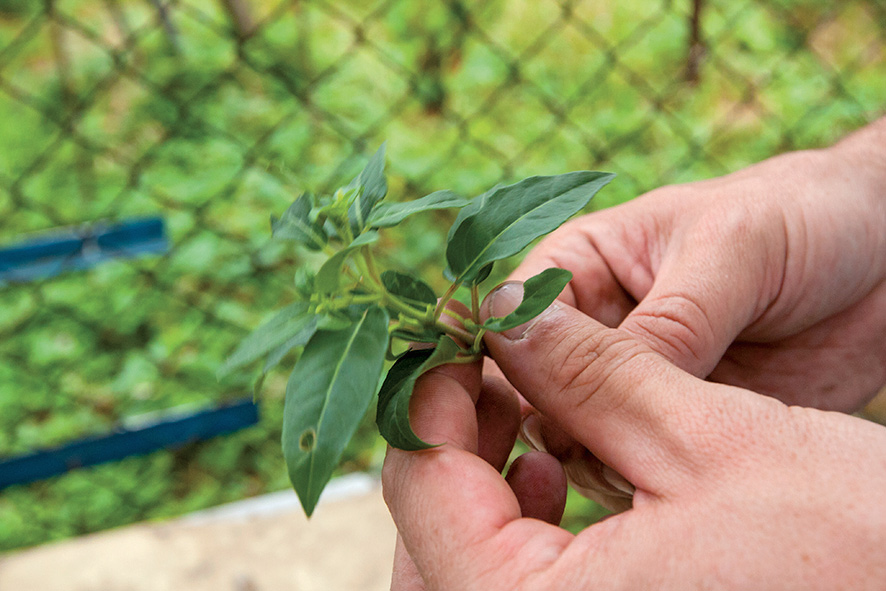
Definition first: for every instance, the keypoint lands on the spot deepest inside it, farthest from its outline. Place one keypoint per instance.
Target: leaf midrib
(497, 236)
(308, 229)
(332, 382)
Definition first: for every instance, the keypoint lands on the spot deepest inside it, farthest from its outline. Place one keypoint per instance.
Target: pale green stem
(455, 332)
(370, 265)
(441, 305)
(475, 303)
(478, 340)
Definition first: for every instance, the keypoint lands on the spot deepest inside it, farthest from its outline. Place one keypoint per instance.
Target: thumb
(607, 389)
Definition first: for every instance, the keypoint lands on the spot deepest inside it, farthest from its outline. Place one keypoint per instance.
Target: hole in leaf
(307, 440)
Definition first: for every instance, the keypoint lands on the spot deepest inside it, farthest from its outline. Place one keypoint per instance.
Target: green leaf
(293, 324)
(304, 282)
(327, 395)
(538, 293)
(391, 214)
(392, 415)
(412, 289)
(470, 210)
(371, 187)
(482, 274)
(335, 208)
(296, 224)
(276, 355)
(509, 218)
(328, 277)
(477, 279)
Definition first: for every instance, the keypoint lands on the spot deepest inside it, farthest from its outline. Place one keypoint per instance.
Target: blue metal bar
(81, 248)
(163, 434)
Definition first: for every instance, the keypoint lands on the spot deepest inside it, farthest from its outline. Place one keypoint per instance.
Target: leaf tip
(307, 506)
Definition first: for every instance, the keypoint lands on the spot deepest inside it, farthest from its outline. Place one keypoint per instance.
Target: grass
(110, 116)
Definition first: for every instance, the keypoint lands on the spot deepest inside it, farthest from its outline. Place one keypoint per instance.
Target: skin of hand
(772, 279)
(733, 490)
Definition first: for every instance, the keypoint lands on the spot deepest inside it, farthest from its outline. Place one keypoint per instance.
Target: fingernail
(502, 301)
(530, 432)
(617, 481)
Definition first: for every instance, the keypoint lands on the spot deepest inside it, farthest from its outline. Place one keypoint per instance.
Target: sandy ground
(254, 545)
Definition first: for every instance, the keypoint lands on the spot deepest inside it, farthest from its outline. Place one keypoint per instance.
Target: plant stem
(478, 341)
(363, 267)
(441, 305)
(372, 281)
(455, 332)
(475, 303)
(370, 265)
(453, 314)
(466, 358)
(394, 302)
(356, 299)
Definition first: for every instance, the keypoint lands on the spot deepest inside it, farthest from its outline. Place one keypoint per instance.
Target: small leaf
(412, 289)
(391, 214)
(294, 324)
(509, 218)
(296, 225)
(321, 322)
(390, 355)
(276, 355)
(371, 187)
(538, 293)
(329, 276)
(479, 278)
(392, 415)
(482, 274)
(304, 282)
(327, 395)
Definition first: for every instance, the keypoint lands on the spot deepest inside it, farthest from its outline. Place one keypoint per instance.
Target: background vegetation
(214, 118)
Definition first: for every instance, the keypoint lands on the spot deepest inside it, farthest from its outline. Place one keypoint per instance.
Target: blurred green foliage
(110, 114)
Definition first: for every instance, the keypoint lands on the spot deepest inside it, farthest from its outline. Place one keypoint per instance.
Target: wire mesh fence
(213, 114)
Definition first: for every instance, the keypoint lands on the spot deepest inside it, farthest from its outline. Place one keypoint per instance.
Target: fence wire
(213, 114)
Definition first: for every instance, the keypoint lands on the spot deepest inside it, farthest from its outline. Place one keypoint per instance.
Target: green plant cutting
(351, 316)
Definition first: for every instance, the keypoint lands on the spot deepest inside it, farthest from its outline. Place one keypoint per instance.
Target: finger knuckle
(676, 326)
(605, 361)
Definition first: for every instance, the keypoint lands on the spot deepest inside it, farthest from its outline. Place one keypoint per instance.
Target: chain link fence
(213, 114)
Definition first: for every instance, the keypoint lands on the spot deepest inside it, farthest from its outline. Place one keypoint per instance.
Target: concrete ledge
(258, 544)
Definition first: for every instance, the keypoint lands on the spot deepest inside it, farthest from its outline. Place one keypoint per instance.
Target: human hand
(733, 490)
(771, 279)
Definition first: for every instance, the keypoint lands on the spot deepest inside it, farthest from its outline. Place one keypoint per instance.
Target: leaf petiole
(454, 314)
(370, 265)
(441, 305)
(473, 357)
(477, 347)
(455, 332)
